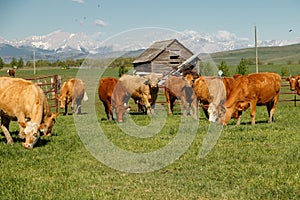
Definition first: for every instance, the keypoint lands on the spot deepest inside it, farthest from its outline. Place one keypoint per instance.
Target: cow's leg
(5, 126)
(66, 109)
(184, 106)
(171, 104)
(147, 104)
(78, 107)
(252, 112)
(238, 122)
(271, 109)
(168, 100)
(194, 108)
(205, 110)
(108, 111)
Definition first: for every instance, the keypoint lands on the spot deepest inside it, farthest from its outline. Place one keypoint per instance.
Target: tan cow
(209, 89)
(25, 102)
(72, 91)
(180, 88)
(141, 88)
(252, 90)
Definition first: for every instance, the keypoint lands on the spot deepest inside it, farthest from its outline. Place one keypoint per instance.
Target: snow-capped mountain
(57, 41)
(73, 45)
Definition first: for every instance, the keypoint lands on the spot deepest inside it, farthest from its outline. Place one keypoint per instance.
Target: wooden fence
(50, 85)
(286, 95)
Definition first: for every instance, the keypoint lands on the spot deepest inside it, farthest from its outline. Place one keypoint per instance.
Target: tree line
(19, 63)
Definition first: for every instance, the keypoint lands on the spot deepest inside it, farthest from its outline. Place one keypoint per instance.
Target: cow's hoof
(10, 141)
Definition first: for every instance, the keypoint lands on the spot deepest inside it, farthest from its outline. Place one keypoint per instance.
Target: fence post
(55, 92)
(295, 100)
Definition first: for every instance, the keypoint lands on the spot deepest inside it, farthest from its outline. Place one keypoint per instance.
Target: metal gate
(51, 86)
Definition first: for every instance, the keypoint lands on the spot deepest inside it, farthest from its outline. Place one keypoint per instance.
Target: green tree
(20, 63)
(224, 68)
(206, 69)
(29, 64)
(284, 72)
(1, 63)
(14, 62)
(242, 68)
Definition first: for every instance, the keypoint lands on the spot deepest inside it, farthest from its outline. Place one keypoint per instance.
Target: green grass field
(248, 162)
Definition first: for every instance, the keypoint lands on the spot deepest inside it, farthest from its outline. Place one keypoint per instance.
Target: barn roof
(156, 49)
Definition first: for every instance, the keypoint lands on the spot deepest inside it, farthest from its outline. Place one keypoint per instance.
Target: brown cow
(297, 85)
(11, 72)
(25, 102)
(180, 88)
(293, 82)
(143, 89)
(72, 91)
(252, 90)
(105, 93)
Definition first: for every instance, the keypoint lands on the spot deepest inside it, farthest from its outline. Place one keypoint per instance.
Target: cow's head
(152, 79)
(216, 112)
(293, 82)
(48, 123)
(32, 134)
(189, 78)
(64, 100)
(120, 111)
(297, 87)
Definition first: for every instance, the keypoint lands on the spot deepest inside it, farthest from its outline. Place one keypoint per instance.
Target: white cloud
(100, 22)
(78, 1)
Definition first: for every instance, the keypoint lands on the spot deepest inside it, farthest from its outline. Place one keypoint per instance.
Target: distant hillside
(275, 55)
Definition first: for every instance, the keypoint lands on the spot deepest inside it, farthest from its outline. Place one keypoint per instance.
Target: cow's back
(209, 88)
(75, 88)
(228, 84)
(174, 86)
(259, 87)
(106, 88)
(20, 96)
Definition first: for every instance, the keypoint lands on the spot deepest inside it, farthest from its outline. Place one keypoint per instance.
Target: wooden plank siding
(162, 56)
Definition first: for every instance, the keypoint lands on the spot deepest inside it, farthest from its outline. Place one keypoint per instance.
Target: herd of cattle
(220, 97)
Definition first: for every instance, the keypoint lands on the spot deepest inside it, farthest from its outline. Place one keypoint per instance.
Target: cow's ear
(287, 79)
(147, 82)
(57, 96)
(22, 124)
(53, 116)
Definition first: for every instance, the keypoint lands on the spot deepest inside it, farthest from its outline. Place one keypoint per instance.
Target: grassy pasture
(248, 162)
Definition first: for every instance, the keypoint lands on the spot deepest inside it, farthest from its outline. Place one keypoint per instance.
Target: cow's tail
(85, 97)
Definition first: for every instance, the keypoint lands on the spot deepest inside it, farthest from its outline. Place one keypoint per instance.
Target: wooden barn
(163, 56)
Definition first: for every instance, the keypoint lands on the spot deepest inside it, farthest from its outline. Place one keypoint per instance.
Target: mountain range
(60, 45)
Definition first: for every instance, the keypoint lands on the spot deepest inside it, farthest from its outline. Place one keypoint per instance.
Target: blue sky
(273, 18)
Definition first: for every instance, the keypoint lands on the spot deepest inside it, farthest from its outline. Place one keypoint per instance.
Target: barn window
(173, 57)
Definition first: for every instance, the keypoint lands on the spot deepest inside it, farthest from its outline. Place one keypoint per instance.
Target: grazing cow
(142, 89)
(72, 91)
(180, 88)
(11, 72)
(105, 93)
(25, 102)
(209, 89)
(252, 90)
